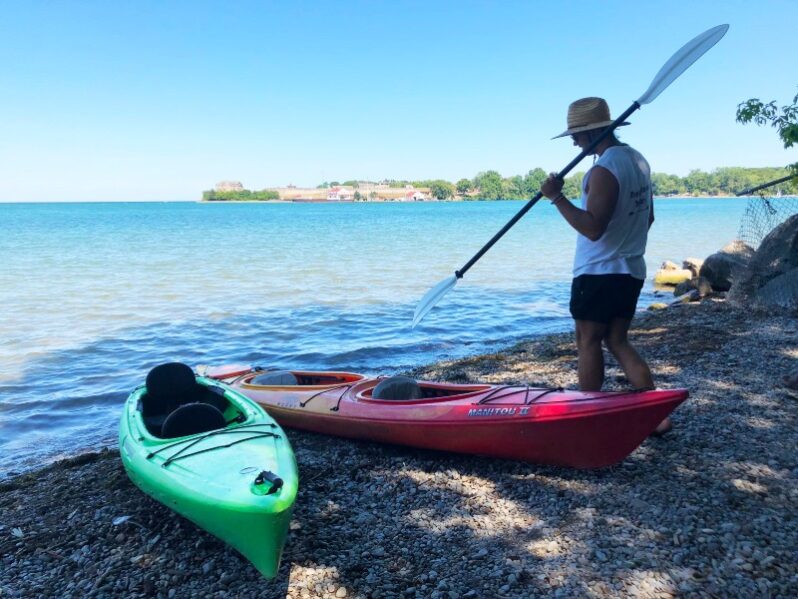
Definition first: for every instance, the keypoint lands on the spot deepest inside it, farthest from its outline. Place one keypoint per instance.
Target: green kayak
(213, 456)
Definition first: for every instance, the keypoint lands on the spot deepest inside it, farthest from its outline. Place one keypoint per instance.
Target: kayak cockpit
(306, 379)
(403, 388)
(176, 405)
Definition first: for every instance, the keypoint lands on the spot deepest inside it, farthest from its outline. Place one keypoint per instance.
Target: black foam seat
(397, 388)
(192, 418)
(170, 386)
(277, 377)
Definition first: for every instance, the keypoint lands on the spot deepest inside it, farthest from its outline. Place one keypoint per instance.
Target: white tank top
(620, 250)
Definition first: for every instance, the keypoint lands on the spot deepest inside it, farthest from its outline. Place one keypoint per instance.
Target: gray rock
(683, 287)
(693, 265)
(720, 268)
(771, 277)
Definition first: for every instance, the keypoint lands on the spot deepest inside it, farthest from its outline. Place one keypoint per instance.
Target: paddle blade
(681, 61)
(432, 297)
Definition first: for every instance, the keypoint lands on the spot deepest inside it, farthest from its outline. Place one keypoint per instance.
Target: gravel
(708, 510)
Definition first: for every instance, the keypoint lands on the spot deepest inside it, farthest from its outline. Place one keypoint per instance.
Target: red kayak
(547, 426)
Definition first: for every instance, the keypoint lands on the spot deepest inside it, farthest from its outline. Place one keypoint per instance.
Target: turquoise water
(94, 295)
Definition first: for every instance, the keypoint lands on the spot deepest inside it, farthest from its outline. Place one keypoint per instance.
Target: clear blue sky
(144, 100)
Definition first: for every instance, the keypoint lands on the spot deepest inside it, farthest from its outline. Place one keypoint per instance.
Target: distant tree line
(490, 185)
(721, 181)
(244, 195)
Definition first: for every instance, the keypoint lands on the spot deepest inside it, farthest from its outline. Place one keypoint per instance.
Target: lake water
(94, 295)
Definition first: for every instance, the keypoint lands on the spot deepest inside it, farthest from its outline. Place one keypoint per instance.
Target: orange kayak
(546, 426)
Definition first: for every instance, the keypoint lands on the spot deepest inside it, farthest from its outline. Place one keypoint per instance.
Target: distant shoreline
(10, 202)
(302, 201)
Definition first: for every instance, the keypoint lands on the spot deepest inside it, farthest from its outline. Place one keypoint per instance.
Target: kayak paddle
(678, 64)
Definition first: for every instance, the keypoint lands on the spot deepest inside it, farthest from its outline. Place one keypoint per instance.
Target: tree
(785, 122)
(463, 186)
(533, 181)
(731, 179)
(489, 185)
(240, 195)
(698, 182)
(357, 197)
(441, 189)
(666, 185)
(514, 188)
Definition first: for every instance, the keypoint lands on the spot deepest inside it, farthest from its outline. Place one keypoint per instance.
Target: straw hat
(587, 114)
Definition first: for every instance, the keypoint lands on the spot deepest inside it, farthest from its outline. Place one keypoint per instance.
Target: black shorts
(601, 298)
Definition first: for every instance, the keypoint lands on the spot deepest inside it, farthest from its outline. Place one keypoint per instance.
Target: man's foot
(662, 428)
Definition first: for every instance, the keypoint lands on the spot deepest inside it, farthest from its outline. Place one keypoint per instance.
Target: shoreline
(705, 510)
(16, 202)
(459, 199)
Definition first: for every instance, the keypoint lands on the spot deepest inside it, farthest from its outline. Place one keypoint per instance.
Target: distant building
(366, 187)
(229, 186)
(414, 196)
(337, 194)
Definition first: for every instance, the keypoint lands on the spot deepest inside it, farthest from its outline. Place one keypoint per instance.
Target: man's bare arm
(602, 197)
(651, 213)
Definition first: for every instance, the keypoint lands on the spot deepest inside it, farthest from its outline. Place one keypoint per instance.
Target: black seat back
(192, 418)
(169, 386)
(276, 377)
(397, 388)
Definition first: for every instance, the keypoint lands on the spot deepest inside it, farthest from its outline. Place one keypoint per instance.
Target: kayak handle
(267, 475)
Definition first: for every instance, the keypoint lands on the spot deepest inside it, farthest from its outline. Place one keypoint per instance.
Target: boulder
(720, 268)
(657, 306)
(683, 287)
(703, 286)
(700, 284)
(668, 265)
(770, 279)
(686, 298)
(693, 265)
(780, 292)
(671, 277)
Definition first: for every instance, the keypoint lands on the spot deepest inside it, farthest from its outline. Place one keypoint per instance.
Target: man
(609, 268)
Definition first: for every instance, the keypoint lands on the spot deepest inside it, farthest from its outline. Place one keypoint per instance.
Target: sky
(140, 100)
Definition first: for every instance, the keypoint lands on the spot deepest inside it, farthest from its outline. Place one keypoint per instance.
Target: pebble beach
(707, 510)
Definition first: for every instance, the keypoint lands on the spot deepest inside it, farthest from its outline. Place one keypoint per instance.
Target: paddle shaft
(764, 186)
(459, 273)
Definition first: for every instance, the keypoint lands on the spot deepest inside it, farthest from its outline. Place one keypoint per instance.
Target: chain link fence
(770, 226)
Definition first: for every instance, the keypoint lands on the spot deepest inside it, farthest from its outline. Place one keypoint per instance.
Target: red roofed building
(338, 193)
(414, 196)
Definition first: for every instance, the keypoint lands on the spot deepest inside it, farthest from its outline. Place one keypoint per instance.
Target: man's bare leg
(589, 335)
(634, 366)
